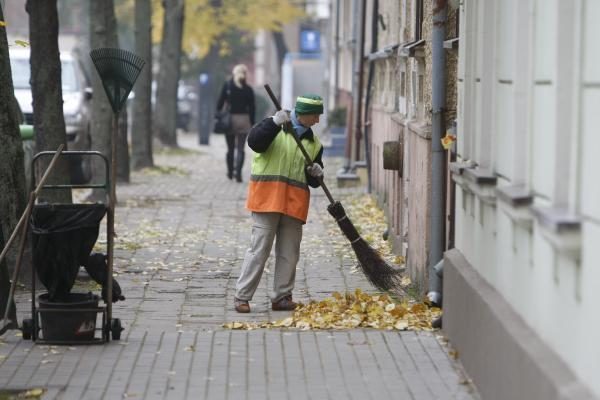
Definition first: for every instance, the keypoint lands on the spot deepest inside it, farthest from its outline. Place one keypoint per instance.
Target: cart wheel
(116, 328)
(27, 328)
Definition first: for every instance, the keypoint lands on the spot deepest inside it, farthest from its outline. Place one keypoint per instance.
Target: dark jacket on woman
(241, 100)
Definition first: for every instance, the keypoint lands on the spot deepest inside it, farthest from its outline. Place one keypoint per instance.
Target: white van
(76, 92)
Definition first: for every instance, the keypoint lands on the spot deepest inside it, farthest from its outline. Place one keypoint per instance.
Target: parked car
(76, 92)
(186, 100)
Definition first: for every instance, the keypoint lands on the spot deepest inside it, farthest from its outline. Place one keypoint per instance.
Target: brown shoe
(241, 306)
(284, 304)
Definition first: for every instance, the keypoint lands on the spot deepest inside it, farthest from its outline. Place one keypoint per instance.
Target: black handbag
(222, 121)
(223, 117)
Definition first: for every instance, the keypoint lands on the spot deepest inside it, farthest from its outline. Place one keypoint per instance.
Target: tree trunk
(168, 74)
(5, 290)
(141, 129)
(12, 171)
(103, 33)
(46, 90)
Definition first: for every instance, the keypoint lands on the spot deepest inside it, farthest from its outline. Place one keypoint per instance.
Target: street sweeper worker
(278, 197)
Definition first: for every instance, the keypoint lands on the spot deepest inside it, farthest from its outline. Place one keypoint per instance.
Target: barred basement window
(403, 84)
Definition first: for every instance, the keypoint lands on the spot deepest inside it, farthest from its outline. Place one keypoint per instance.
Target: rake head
(118, 70)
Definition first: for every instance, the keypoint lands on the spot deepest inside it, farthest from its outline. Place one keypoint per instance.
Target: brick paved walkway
(181, 238)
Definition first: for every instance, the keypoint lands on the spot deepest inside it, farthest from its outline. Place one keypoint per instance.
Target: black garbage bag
(97, 268)
(63, 238)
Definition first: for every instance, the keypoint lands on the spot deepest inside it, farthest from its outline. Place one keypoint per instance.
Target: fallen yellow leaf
(33, 393)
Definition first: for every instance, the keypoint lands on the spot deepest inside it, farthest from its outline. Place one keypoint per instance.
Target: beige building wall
(400, 110)
(401, 104)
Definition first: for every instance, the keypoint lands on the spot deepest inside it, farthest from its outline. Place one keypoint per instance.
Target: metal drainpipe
(352, 110)
(358, 32)
(438, 71)
(367, 123)
(337, 52)
(360, 72)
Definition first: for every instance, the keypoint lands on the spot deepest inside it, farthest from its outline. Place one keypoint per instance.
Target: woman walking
(239, 97)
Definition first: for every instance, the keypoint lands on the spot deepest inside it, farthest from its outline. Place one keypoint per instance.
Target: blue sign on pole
(310, 41)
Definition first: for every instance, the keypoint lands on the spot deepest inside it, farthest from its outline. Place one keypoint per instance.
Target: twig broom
(381, 274)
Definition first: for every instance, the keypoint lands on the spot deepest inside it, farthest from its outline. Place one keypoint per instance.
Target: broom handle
(300, 145)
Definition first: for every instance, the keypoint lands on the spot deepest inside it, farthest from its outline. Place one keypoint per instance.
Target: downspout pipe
(360, 72)
(336, 89)
(367, 123)
(438, 71)
(358, 31)
(352, 109)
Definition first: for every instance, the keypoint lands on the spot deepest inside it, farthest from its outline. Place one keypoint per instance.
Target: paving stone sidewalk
(182, 232)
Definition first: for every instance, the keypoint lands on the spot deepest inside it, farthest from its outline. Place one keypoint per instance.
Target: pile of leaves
(353, 310)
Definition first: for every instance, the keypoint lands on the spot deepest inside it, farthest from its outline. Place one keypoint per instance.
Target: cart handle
(72, 153)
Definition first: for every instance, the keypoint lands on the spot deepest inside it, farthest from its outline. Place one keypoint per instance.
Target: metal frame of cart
(110, 327)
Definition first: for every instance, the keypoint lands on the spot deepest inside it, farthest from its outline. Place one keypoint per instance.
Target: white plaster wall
(590, 276)
(505, 132)
(590, 136)
(540, 116)
(543, 142)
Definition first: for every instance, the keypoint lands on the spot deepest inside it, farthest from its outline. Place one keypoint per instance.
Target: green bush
(337, 117)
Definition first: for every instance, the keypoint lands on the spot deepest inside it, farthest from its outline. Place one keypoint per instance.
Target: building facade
(520, 289)
(395, 110)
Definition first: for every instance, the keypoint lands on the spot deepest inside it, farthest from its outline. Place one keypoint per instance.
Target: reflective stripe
(278, 178)
(309, 101)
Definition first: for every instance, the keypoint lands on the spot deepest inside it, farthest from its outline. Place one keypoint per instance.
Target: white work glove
(315, 170)
(281, 117)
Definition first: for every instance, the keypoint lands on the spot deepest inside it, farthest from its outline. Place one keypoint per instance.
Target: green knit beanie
(309, 104)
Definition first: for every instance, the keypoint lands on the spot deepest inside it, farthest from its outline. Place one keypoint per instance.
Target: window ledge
(557, 220)
(478, 181)
(515, 195)
(384, 53)
(451, 44)
(515, 202)
(561, 228)
(458, 167)
(480, 176)
(412, 49)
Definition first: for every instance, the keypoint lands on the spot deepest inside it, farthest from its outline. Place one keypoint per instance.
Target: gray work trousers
(265, 228)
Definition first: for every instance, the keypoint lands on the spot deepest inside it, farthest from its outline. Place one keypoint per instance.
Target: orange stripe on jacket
(278, 197)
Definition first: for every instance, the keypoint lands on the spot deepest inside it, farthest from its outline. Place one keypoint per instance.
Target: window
(403, 84)
(402, 95)
(414, 48)
(418, 19)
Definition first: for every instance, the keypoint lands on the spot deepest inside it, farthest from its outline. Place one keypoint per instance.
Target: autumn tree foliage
(212, 31)
(206, 25)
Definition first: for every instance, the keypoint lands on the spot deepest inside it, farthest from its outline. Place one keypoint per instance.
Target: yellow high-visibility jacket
(279, 182)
